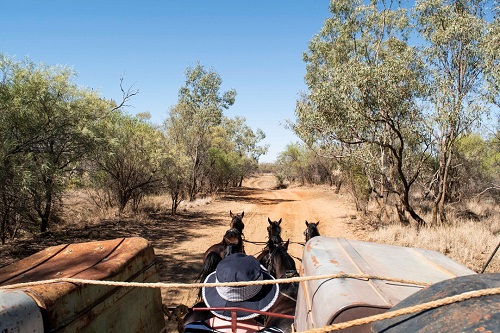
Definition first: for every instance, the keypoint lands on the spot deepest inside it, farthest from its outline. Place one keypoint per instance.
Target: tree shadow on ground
(252, 196)
(163, 231)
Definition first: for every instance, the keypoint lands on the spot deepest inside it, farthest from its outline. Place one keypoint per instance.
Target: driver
(236, 267)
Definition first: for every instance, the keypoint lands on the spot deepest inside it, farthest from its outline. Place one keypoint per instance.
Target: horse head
(232, 241)
(311, 230)
(273, 229)
(237, 221)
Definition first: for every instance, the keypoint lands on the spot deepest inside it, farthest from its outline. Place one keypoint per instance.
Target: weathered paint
(324, 302)
(19, 313)
(480, 314)
(93, 308)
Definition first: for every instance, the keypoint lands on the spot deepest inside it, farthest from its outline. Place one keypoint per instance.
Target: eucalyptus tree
(490, 46)
(246, 144)
(199, 109)
(291, 164)
(47, 129)
(127, 162)
(233, 153)
(364, 81)
(454, 35)
(175, 167)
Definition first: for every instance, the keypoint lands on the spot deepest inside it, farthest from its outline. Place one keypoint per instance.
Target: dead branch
(126, 95)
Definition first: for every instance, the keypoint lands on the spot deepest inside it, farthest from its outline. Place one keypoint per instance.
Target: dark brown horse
(264, 255)
(273, 229)
(237, 221)
(274, 239)
(281, 265)
(311, 230)
(232, 242)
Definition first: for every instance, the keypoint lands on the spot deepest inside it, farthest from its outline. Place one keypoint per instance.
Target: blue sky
(256, 47)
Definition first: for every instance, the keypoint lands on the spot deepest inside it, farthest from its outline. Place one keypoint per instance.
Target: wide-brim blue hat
(240, 267)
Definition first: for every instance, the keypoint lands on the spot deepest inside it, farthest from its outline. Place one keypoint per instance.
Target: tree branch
(126, 95)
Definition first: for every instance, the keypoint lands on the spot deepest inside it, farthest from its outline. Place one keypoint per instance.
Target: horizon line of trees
(57, 136)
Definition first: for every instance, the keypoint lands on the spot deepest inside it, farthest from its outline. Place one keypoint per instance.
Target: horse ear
(242, 213)
(268, 219)
(307, 223)
(317, 223)
(230, 213)
(286, 244)
(279, 222)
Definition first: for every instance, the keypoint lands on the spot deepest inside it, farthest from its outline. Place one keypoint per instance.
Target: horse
(272, 242)
(311, 230)
(281, 265)
(237, 221)
(274, 238)
(273, 229)
(232, 242)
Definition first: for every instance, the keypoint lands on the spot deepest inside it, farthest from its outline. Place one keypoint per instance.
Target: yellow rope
(334, 327)
(200, 285)
(408, 310)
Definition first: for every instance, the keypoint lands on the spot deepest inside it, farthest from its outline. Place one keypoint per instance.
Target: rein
(290, 273)
(257, 243)
(265, 243)
(288, 296)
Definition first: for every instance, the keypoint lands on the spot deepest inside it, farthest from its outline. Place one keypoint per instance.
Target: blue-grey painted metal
(19, 312)
(325, 302)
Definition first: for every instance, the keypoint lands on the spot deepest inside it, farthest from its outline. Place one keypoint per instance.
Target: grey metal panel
(325, 300)
(19, 312)
(477, 314)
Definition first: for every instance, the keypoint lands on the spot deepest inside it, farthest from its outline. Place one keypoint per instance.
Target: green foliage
(192, 120)
(364, 83)
(290, 163)
(127, 162)
(56, 135)
(47, 126)
(392, 107)
(459, 58)
(299, 163)
(175, 173)
(476, 166)
(490, 47)
(222, 151)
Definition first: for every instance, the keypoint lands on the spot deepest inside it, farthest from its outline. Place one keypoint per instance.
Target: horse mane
(287, 262)
(209, 265)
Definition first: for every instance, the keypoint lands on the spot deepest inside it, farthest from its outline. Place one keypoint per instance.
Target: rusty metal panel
(61, 261)
(94, 308)
(19, 270)
(323, 302)
(480, 314)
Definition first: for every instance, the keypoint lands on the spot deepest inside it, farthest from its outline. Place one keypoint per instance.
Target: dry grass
(469, 241)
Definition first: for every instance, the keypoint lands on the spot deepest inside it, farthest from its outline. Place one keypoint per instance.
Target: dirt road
(259, 200)
(180, 241)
